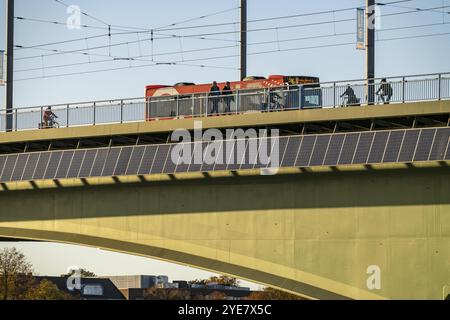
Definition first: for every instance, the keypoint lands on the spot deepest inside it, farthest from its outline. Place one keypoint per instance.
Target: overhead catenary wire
(177, 63)
(231, 32)
(190, 20)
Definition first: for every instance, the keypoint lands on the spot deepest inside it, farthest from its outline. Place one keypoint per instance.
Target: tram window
(312, 98)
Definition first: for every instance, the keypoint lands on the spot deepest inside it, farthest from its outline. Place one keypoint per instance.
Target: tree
(217, 295)
(166, 294)
(273, 294)
(15, 274)
(46, 290)
(221, 280)
(83, 272)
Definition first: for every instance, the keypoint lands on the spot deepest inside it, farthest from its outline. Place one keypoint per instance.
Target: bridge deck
(406, 110)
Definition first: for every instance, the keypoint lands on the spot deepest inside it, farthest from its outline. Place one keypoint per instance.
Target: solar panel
(135, 160)
(378, 147)
(88, 163)
(147, 160)
(111, 161)
(172, 161)
(263, 153)
(251, 154)
(160, 159)
(409, 146)
(64, 164)
(424, 146)
(349, 148)
(237, 158)
(30, 167)
(447, 156)
(283, 142)
(196, 164)
(440, 144)
(221, 162)
(291, 152)
(306, 150)
(393, 146)
(273, 151)
(320, 150)
(334, 150)
(9, 167)
(41, 166)
(75, 164)
(183, 166)
(20, 167)
(211, 155)
(124, 160)
(99, 162)
(2, 164)
(363, 149)
(53, 164)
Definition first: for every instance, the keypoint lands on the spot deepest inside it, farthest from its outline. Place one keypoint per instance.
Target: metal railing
(431, 87)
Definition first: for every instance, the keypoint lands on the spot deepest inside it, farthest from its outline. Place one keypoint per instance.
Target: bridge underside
(311, 232)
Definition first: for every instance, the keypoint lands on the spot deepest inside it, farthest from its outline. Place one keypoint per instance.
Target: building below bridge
(138, 288)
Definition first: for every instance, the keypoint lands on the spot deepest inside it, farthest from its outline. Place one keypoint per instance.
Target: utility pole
(243, 39)
(9, 64)
(370, 51)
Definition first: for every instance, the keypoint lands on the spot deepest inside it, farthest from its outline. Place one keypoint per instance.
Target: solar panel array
(397, 146)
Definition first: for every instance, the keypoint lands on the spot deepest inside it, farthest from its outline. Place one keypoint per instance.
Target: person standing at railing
(215, 97)
(385, 91)
(227, 95)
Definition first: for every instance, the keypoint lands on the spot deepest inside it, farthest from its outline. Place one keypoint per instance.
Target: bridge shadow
(370, 188)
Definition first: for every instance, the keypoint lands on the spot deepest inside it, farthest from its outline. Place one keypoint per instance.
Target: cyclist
(351, 96)
(385, 91)
(49, 118)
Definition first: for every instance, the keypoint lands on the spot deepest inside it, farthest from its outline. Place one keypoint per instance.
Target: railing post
(15, 120)
(440, 88)
(334, 95)
(95, 120)
(41, 120)
(207, 105)
(178, 107)
(300, 97)
(237, 101)
(121, 111)
(68, 115)
(403, 90)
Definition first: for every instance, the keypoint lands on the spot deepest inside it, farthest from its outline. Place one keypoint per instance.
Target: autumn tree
(273, 294)
(83, 272)
(217, 295)
(166, 294)
(15, 274)
(221, 280)
(46, 290)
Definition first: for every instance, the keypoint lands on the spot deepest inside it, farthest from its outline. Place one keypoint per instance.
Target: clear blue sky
(409, 56)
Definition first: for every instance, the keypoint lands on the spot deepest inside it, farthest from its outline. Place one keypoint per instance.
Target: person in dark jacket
(215, 97)
(351, 96)
(227, 95)
(385, 91)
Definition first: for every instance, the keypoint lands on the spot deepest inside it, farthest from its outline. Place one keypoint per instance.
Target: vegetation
(46, 290)
(83, 272)
(221, 280)
(273, 294)
(17, 282)
(15, 274)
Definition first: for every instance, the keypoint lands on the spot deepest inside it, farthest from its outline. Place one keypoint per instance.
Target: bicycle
(52, 123)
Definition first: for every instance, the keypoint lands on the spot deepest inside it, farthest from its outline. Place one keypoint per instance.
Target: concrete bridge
(315, 230)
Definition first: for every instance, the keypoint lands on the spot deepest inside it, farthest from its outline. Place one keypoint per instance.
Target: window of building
(93, 290)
